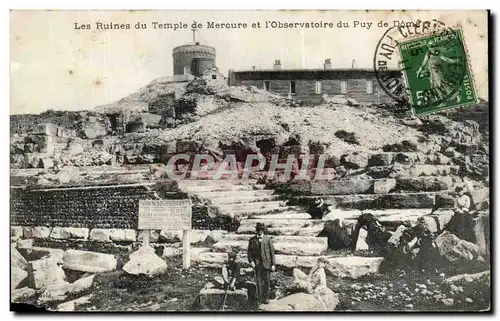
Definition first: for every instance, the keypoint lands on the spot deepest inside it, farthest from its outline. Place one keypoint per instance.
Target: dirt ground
(178, 290)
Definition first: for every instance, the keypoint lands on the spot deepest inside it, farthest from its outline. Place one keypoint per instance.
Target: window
(186, 70)
(267, 86)
(292, 87)
(343, 87)
(214, 76)
(318, 87)
(369, 86)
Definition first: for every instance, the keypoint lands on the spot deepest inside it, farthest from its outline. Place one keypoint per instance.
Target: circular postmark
(422, 64)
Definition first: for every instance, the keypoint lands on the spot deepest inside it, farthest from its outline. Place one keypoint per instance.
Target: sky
(54, 65)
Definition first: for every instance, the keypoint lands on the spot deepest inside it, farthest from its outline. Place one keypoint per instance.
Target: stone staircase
(395, 188)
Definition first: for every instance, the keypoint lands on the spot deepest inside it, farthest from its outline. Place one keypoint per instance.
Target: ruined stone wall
(101, 207)
(90, 207)
(25, 123)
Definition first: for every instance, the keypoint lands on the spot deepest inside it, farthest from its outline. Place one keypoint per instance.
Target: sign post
(186, 250)
(170, 215)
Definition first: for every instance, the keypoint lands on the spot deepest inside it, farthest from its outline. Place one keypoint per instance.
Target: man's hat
(260, 227)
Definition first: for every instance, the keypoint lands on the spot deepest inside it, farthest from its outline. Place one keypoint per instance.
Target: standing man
(262, 259)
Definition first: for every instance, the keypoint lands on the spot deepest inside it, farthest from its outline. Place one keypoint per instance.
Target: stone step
(246, 199)
(288, 215)
(243, 213)
(390, 218)
(220, 187)
(284, 227)
(248, 207)
(344, 267)
(213, 182)
(235, 194)
(373, 201)
(405, 158)
(294, 239)
(402, 171)
(290, 245)
(353, 185)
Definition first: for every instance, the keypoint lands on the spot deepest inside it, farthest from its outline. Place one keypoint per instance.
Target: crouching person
(230, 274)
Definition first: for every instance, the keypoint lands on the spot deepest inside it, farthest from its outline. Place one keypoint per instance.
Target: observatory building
(193, 59)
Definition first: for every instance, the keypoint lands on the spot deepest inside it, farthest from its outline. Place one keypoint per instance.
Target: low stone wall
(104, 240)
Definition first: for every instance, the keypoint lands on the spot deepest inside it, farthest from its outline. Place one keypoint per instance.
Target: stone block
(36, 253)
(171, 251)
(354, 266)
(63, 233)
(212, 299)
(428, 223)
(342, 187)
(154, 236)
(123, 235)
(384, 186)
(87, 261)
(16, 232)
(47, 271)
(326, 300)
(425, 184)
(215, 236)
(24, 244)
(384, 159)
(99, 234)
(71, 305)
(355, 160)
(37, 232)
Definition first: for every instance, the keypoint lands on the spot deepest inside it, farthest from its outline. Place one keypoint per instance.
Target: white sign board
(172, 215)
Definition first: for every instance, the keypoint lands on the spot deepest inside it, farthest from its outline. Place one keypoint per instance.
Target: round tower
(193, 59)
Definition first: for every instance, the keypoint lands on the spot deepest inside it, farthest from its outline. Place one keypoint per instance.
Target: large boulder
(145, 261)
(327, 300)
(456, 250)
(87, 261)
(47, 271)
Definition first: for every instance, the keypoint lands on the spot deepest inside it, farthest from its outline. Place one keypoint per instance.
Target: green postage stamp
(437, 72)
